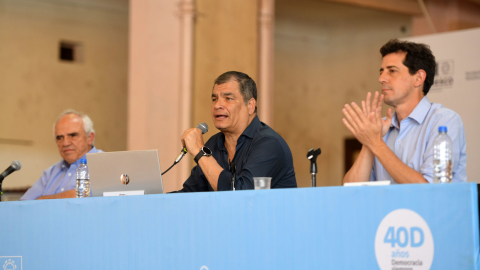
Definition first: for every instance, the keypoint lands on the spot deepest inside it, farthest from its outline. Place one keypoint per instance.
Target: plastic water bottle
(442, 157)
(83, 180)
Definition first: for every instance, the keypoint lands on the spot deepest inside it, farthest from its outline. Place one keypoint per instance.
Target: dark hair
(247, 86)
(418, 56)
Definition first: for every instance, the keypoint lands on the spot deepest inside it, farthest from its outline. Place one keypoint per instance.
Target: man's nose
(218, 104)
(66, 141)
(382, 78)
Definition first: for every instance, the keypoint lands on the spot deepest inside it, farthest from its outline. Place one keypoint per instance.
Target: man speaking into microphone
(255, 148)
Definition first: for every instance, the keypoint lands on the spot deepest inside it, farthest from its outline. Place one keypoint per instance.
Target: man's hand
(374, 105)
(367, 129)
(192, 139)
(369, 105)
(362, 123)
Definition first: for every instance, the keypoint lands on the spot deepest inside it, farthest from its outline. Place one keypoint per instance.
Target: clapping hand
(366, 124)
(373, 105)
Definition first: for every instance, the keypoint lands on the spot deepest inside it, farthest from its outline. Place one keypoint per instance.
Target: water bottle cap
(83, 161)
(442, 129)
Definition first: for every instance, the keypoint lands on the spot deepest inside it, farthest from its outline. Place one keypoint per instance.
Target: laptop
(124, 173)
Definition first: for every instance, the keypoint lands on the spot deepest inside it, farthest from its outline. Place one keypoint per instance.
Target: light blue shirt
(58, 178)
(412, 141)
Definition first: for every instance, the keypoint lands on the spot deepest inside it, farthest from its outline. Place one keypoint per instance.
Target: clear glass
(262, 182)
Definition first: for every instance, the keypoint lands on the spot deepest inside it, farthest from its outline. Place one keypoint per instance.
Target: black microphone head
(312, 154)
(203, 127)
(16, 165)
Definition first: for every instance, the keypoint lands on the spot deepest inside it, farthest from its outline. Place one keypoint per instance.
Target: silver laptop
(124, 173)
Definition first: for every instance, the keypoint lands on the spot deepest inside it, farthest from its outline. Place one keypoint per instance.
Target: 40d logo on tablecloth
(404, 241)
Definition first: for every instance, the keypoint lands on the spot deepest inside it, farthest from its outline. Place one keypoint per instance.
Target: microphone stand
(312, 156)
(1, 192)
(233, 167)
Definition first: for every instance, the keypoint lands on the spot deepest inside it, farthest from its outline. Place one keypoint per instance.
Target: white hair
(87, 122)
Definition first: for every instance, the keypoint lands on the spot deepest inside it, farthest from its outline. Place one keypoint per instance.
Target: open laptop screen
(125, 171)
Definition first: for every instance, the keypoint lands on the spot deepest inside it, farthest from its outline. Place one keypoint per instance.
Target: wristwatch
(205, 151)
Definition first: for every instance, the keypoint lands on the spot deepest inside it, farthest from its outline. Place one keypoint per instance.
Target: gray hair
(87, 122)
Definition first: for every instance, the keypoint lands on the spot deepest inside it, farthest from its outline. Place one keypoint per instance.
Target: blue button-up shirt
(412, 141)
(260, 151)
(58, 178)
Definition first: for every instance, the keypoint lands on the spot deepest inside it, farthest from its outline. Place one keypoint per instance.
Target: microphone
(312, 156)
(204, 128)
(14, 167)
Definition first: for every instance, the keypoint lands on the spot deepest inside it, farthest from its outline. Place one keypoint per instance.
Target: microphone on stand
(312, 156)
(14, 167)
(204, 128)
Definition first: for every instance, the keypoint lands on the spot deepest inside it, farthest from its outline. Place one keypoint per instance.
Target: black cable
(175, 163)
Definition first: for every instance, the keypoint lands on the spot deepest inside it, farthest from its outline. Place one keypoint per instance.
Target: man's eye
(214, 99)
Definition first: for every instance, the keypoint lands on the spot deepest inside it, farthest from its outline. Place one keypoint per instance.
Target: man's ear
(420, 77)
(90, 138)
(252, 103)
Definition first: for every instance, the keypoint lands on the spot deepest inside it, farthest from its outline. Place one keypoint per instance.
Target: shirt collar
(248, 132)
(394, 121)
(77, 162)
(418, 114)
(252, 128)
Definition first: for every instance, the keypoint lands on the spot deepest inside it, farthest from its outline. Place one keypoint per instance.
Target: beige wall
(154, 107)
(326, 55)
(225, 39)
(35, 86)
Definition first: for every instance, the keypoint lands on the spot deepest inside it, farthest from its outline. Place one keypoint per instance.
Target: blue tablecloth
(384, 227)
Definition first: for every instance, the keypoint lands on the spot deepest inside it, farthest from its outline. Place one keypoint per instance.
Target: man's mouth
(385, 89)
(220, 116)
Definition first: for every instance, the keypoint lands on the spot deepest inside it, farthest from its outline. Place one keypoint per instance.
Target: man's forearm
(63, 195)
(362, 168)
(398, 170)
(211, 170)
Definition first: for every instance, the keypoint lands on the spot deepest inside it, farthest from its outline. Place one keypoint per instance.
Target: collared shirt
(412, 141)
(260, 151)
(58, 178)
